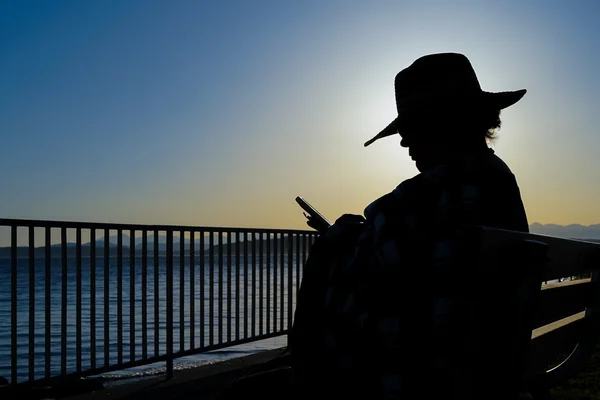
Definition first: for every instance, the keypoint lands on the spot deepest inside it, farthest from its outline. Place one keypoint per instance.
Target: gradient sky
(221, 113)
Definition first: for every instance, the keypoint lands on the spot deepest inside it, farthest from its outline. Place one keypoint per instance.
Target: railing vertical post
(192, 290)
(229, 235)
(132, 295)
(237, 286)
(268, 280)
(63, 307)
(211, 288)
(253, 284)
(281, 245)
(181, 290)
(78, 285)
(106, 315)
(120, 296)
(93, 298)
(156, 256)
(220, 295)
(169, 304)
(290, 288)
(275, 247)
(47, 301)
(297, 254)
(245, 284)
(260, 283)
(144, 294)
(13, 305)
(202, 291)
(304, 252)
(31, 304)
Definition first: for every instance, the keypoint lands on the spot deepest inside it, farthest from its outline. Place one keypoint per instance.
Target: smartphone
(312, 212)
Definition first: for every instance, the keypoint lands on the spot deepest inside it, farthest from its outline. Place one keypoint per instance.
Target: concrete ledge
(203, 382)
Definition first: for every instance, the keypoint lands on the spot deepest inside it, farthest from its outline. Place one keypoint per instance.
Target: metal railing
(80, 299)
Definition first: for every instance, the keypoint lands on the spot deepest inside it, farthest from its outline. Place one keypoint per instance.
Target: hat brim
(502, 100)
(495, 100)
(387, 131)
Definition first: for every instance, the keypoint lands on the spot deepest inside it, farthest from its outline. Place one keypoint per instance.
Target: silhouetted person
(374, 316)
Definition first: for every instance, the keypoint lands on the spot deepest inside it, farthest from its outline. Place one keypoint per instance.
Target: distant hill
(56, 249)
(573, 231)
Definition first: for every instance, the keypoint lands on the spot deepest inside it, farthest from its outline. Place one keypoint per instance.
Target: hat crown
(436, 76)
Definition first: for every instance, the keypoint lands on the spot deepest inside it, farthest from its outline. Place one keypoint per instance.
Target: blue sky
(220, 113)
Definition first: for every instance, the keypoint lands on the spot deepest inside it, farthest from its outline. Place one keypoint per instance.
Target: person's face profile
(422, 147)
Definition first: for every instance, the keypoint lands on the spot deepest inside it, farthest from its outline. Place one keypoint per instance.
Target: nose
(403, 142)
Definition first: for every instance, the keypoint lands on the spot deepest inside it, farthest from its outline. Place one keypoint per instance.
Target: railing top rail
(108, 225)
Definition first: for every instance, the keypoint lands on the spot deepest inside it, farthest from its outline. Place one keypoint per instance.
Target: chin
(422, 167)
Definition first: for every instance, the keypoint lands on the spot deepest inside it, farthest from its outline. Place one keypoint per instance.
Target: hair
(487, 122)
(472, 123)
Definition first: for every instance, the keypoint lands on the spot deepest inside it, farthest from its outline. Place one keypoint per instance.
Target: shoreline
(204, 381)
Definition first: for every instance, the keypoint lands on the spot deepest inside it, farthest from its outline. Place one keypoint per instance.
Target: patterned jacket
(374, 313)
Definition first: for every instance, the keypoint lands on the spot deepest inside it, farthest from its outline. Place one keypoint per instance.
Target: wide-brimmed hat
(441, 81)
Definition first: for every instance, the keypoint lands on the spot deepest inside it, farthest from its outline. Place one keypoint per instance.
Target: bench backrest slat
(560, 301)
(549, 349)
(566, 257)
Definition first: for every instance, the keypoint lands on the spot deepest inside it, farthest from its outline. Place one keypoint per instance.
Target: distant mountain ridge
(573, 231)
(71, 248)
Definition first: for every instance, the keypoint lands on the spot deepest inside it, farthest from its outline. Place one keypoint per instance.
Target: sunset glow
(221, 113)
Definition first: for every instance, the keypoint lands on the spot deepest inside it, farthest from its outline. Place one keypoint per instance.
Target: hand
(315, 224)
(346, 219)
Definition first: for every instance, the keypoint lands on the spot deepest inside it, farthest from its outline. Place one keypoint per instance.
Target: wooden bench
(549, 328)
(521, 330)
